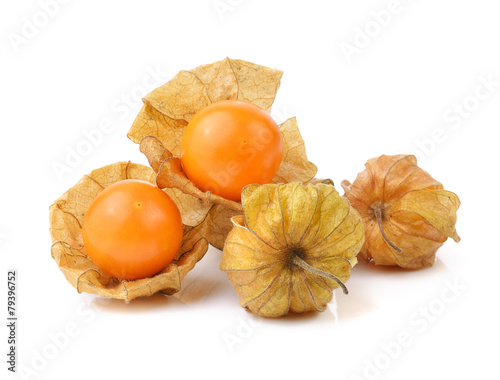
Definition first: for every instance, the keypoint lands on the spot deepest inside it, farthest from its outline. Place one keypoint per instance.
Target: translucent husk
(408, 214)
(293, 245)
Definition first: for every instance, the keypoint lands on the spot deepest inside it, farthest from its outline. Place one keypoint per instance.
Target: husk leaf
(416, 214)
(168, 109)
(280, 224)
(160, 125)
(66, 218)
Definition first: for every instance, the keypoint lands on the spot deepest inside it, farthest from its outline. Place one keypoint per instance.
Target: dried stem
(302, 264)
(378, 214)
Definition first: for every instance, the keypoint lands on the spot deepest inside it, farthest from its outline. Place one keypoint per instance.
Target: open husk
(160, 125)
(292, 247)
(66, 217)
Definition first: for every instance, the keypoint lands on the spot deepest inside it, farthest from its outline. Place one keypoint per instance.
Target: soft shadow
(362, 300)
(354, 305)
(362, 266)
(307, 317)
(138, 305)
(197, 290)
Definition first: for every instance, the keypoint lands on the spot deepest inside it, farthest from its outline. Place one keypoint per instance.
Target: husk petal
(416, 214)
(160, 125)
(68, 251)
(261, 250)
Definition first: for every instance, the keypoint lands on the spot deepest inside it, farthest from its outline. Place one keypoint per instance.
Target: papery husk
(168, 109)
(280, 224)
(160, 125)
(66, 218)
(222, 215)
(416, 214)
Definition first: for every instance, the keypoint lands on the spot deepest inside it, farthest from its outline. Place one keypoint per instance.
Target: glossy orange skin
(230, 144)
(132, 230)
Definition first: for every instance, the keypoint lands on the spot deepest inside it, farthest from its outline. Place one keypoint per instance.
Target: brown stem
(378, 214)
(302, 264)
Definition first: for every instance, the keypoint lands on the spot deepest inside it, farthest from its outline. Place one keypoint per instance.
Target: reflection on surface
(196, 290)
(372, 287)
(198, 285)
(137, 305)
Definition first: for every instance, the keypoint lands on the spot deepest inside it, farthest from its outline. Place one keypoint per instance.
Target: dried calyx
(408, 214)
(159, 128)
(292, 247)
(295, 259)
(379, 211)
(70, 255)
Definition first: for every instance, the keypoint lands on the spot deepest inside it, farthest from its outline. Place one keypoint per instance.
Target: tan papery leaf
(66, 218)
(168, 109)
(294, 166)
(221, 218)
(160, 125)
(292, 247)
(408, 214)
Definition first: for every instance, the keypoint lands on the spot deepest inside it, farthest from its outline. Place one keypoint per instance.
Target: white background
(390, 96)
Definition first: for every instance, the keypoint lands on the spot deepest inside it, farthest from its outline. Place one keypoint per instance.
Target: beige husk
(408, 214)
(66, 217)
(292, 247)
(160, 124)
